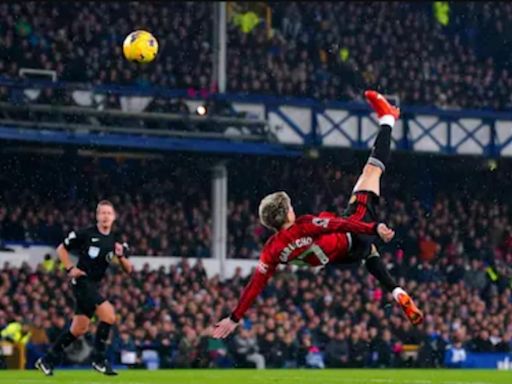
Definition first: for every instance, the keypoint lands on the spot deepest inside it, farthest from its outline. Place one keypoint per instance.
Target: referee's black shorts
(87, 296)
(362, 207)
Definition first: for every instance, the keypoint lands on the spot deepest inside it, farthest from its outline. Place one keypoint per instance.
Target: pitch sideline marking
(466, 382)
(330, 380)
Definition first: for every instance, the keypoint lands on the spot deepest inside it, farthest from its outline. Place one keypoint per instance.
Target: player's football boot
(44, 366)
(380, 105)
(103, 366)
(410, 309)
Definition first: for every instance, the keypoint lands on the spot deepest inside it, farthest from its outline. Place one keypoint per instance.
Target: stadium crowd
(333, 318)
(453, 250)
(164, 211)
(453, 247)
(327, 50)
(157, 216)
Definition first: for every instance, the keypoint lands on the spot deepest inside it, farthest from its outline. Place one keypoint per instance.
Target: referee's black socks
(100, 342)
(64, 339)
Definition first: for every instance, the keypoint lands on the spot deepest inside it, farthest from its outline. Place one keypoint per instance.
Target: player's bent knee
(374, 252)
(371, 170)
(106, 313)
(369, 181)
(110, 319)
(371, 193)
(79, 329)
(81, 321)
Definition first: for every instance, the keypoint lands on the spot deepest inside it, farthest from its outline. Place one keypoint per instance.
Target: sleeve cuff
(234, 318)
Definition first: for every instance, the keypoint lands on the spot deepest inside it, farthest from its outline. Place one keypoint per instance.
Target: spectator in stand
(247, 349)
(381, 348)
(187, 353)
(38, 342)
(428, 248)
(337, 350)
(358, 348)
(482, 342)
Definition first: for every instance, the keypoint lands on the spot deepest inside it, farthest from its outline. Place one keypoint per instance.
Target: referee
(95, 247)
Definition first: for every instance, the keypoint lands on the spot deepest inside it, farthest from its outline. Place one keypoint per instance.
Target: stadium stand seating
(329, 51)
(341, 312)
(167, 212)
(456, 253)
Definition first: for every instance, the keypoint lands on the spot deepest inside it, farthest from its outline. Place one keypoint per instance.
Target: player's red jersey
(311, 240)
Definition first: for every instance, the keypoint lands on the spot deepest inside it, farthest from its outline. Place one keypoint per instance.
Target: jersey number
(315, 250)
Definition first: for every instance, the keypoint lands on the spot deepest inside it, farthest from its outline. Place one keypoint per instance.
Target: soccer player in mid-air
(318, 240)
(95, 247)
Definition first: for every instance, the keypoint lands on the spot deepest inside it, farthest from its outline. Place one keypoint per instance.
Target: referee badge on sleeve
(93, 252)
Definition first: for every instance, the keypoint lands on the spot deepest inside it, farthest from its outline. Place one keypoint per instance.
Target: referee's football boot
(44, 366)
(104, 366)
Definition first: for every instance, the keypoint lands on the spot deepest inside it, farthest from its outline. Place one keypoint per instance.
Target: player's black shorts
(362, 207)
(87, 296)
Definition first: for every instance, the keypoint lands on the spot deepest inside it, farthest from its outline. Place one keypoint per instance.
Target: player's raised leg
(365, 195)
(379, 156)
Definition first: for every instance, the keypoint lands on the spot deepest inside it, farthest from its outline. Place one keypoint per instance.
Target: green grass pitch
(328, 376)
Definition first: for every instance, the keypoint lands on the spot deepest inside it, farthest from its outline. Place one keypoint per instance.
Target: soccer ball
(140, 46)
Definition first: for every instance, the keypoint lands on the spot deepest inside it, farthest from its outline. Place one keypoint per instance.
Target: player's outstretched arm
(258, 281)
(315, 225)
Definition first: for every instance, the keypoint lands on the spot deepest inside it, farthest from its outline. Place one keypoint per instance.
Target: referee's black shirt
(94, 250)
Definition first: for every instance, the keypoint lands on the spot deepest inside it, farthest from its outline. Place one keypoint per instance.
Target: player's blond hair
(273, 210)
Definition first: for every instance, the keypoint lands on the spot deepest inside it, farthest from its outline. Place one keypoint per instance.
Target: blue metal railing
(480, 132)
